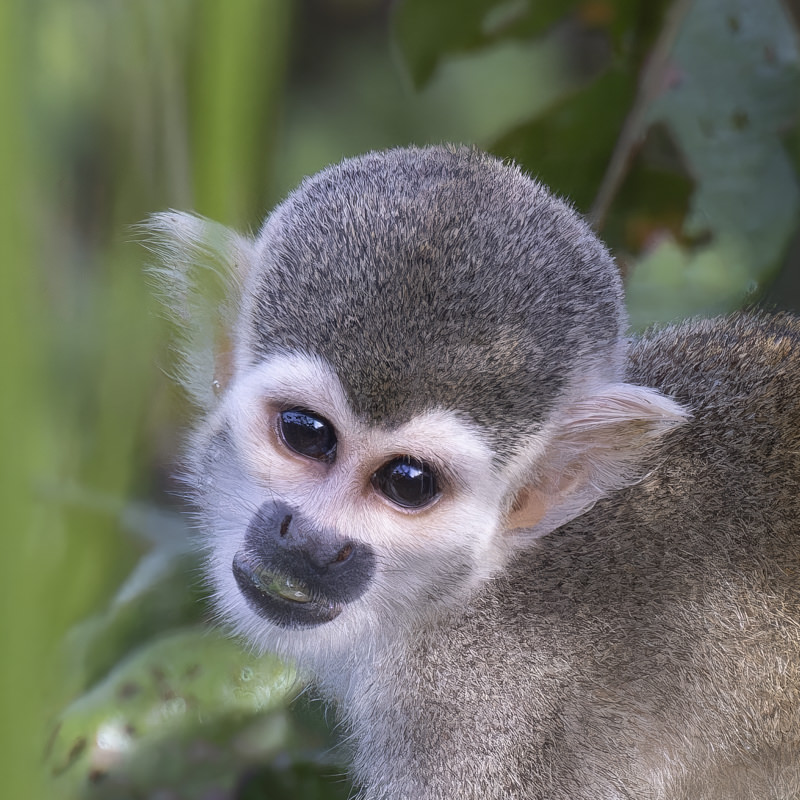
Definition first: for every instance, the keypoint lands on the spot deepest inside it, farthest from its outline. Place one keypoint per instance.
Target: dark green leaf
(569, 147)
(425, 31)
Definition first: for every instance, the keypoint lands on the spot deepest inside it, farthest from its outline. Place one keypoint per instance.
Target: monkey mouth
(280, 598)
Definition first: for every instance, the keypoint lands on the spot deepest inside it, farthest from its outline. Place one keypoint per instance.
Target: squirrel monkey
(523, 555)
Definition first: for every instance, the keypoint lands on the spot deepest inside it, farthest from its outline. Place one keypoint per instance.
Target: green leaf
(161, 593)
(155, 701)
(672, 282)
(569, 147)
(426, 30)
(732, 89)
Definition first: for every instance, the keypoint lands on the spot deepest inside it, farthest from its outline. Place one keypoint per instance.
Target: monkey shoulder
(742, 370)
(583, 652)
(738, 457)
(701, 552)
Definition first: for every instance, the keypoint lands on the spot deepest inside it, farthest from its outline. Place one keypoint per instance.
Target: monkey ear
(198, 278)
(597, 446)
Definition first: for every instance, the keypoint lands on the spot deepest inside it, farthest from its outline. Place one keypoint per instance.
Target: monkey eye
(308, 434)
(406, 481)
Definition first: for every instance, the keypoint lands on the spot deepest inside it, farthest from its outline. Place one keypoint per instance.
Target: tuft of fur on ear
(202, 265)
(596, 446)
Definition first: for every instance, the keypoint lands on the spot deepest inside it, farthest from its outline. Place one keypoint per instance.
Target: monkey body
(662, 661)
(523, 556)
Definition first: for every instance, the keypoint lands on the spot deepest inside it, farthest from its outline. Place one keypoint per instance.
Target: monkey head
(420, 373)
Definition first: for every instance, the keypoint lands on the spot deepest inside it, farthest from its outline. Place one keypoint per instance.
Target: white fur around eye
(341, 493)
(286, 380)
(443, 438)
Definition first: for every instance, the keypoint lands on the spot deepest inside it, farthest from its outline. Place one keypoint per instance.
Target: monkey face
(326, 527)
(421, 371)
(321, 519)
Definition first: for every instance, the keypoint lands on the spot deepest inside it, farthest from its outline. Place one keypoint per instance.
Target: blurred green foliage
(673, 124)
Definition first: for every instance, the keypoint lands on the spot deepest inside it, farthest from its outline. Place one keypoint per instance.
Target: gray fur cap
(438, 277)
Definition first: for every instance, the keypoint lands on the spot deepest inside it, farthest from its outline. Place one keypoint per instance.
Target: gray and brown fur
(436, 277)
(647, 648)
(655, 650)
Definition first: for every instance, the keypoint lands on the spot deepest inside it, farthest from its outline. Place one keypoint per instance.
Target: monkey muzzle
(295, 575)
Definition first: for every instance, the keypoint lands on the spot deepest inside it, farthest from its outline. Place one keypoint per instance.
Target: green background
(673, 125)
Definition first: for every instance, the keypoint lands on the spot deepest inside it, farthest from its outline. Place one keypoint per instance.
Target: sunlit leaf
(732, 89)
(672, 282)
(187, 687)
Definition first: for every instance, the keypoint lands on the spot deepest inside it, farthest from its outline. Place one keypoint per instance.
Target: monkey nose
(296, 574)
(324, 556)
(278, 531)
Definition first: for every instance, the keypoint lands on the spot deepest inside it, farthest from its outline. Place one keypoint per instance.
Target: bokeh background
(673, 124)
